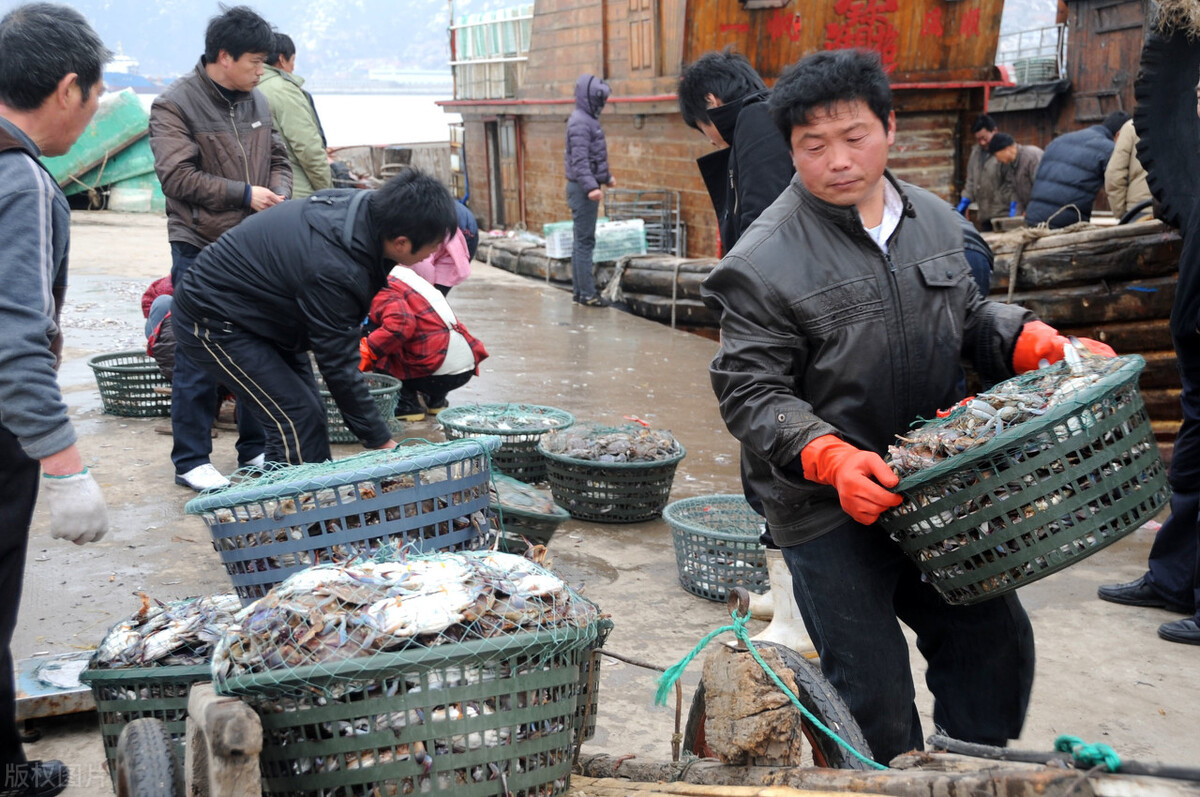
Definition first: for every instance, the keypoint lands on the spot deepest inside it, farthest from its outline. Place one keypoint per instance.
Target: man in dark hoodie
(725, 99)
(1071, 173)
(587, 169)
(299, 277)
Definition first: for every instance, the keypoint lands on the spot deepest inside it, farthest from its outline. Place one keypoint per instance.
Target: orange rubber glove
(1039, 341)
(859, 476)
(367, 356)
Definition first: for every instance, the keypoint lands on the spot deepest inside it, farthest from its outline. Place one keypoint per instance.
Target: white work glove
(77, 510)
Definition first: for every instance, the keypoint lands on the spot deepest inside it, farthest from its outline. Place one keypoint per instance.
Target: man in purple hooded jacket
(587, 169)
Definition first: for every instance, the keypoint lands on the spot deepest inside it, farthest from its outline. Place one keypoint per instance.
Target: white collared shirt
(893, 207)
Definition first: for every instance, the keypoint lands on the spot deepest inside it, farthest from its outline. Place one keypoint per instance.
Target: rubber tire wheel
(146, 762)
(1167, 125)
(818, 696)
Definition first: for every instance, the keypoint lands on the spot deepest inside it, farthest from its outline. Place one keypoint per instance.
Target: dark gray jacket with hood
(587, 154)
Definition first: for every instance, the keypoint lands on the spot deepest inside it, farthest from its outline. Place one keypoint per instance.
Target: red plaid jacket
(411, 338)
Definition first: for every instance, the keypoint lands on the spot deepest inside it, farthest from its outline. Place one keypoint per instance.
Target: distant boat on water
(122, 73)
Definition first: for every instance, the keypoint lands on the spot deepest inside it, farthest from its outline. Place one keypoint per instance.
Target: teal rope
(738, 627)
(1089, 755)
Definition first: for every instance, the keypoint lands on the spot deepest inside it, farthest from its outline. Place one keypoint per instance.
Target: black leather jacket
(822, 333)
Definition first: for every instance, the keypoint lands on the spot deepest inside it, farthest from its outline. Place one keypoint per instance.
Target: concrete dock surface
(1102, 672)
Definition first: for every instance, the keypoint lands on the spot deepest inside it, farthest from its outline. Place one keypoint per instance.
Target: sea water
(355, 119)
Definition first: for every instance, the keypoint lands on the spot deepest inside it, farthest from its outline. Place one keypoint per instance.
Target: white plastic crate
(614, 239)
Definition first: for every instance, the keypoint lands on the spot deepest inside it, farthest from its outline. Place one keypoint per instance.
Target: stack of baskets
(423, 498)
(519, 426)
(383, 388)
(609, 491)
(717, 545)
(131, 385)
(1037, 497)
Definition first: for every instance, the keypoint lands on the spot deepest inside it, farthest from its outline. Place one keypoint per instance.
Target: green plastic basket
(717, 545)
(472, 719)
(383, 388)
(124, 695)
(610, 492)
(519, 426)
(1039, 496)
(523, 511)
(131, 385)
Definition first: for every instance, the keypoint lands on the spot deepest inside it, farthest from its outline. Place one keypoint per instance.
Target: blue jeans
(1174, 570)
(195, 398)
(854, 587)
(583, 213)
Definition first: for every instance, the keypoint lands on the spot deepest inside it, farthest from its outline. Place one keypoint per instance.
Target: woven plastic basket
(426, 498)
(610, 492)
(131, 384)
(472, 719)
(524, 513)
(124, 695)
(520, 426)
(717, 546)
(384, 389)
(1039, 496)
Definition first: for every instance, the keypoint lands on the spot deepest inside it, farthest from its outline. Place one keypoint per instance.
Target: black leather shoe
(1185, 631)
(1138, 593)
(34, 779)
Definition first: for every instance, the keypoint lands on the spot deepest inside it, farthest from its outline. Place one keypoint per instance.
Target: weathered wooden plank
(617, 787)
(1091, 260)
(1093, 304)
(1163, 404)
(1139, 336)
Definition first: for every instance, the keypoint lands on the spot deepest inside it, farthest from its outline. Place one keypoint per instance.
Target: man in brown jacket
(219, 160)
(1020, 163)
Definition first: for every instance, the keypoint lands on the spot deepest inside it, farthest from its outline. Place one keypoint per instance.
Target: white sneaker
(201, 478)
(255, 462)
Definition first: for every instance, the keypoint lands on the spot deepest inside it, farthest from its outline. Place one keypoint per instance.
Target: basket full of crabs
(444, 673)
(419, 497)
(519, 426)
(1027, 478)
(611, 474)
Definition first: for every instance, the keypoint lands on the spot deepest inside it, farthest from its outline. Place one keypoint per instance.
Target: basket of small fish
(717, 545)
(527, 516)
(611, 474)
(147, 664)
(421, 497)
(1027, 478)
(520, 426)
(383, 388)
(445, 673)
(131, 385)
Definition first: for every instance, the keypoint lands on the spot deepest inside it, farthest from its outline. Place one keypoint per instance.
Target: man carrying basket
(844, 313)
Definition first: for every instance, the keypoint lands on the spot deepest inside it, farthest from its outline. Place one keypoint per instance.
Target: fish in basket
(1028, 477)
(448, 673)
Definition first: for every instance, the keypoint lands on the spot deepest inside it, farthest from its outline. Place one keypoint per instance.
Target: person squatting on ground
(1172, 577)
(984, 183)
(295, 118)
(51, 67)
(300, 277)
(844, 312)
(418, 339)
(451, 263)
(1125, 177)
(1071, 173)
(586, 159)
(1020, 164)
(219, 159)
(725, 99)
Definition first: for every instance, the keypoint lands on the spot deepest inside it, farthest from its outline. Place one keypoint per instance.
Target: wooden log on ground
(658, 308)
(1128, 336)
(614, 787)
(1121, 253)
(1095, 304)
(913, 775)
(1164, 405)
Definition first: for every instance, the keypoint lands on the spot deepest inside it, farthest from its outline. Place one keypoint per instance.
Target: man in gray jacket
(844, 312)
(51, 64)
(219, 159)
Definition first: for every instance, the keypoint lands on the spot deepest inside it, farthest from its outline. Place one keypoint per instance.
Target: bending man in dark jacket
(301, 276)
(219, 160)
(725, 99)
(586, 163)
(1070, 174)
(844, 312)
